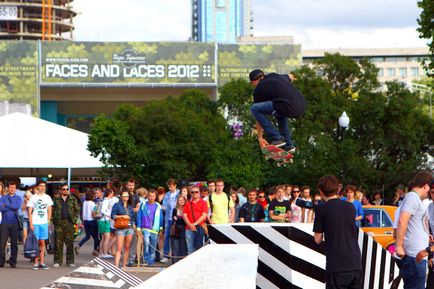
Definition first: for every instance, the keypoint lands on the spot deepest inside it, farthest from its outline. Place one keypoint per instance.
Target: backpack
(210, 201)
(31, 247)
(96, 212)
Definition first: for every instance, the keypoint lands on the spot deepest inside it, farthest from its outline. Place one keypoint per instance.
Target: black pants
(9, 231)
(344, 280)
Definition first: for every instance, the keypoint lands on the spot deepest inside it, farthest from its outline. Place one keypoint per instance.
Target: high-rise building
(222, 21)
(36, 19)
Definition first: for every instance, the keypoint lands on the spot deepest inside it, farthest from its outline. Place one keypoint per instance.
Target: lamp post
(343, 122)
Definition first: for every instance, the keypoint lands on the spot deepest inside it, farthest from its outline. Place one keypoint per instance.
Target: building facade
(36, 19)
(400, 64)
(221, 21)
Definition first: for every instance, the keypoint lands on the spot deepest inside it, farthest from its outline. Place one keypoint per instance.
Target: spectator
(288, 192)
(305, 212)
(149, 222)
(296, 211)
(39, 211)
(237, 206)
(9, 206)
(220, 204)
(359, 195)
(252, 211)
(334, 223)
(184, 192)
(399, 195)
(66, 211)
(179, 244)
(262, 200)
(376, 199)
(104, 223)
(90, 224)
(279, 209)
(365, 201)
(27, 197)
(135, 203)
(142, 193)
(195, 212)
(123, 209)
(204, 192)
(242, 195)
(169, 203)
(350, 190)
(412, 234)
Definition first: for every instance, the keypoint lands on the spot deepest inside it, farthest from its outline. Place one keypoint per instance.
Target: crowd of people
(141, 226)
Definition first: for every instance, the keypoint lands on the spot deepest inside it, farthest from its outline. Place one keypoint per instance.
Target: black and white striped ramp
(97, 274)
(290, 258)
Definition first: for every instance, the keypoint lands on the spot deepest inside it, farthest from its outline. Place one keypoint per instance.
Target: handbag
(121, 223)
(175, 231)
(31, 246)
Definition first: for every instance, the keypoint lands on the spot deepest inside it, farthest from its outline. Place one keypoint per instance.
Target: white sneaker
(108, 256)
(164, 260)
(72, 265)
(56, 265)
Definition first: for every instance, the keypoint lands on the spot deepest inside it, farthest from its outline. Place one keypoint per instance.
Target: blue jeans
(91, 229)
(166, 246)
(149, 245)
(194, 239)
(413, 273)
(260, 111)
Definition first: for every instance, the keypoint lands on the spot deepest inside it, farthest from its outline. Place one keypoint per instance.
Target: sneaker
(44, 267)
(131, 264)
(76, 250)
(289, 149)
(164, 260)
(56, 265)
(278, 143)
(105, 256)
(35, 267)
(94, 253)
(71, 265)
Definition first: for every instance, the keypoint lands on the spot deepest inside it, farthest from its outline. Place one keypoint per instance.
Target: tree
(174, 137)
(425, 29)
(387, 141)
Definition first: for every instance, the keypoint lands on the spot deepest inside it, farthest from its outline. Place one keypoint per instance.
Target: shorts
(41, 231)
(124, 232)
(103, 227)
(26, 224)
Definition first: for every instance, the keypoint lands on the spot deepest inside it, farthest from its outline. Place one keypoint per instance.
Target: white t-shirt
(40, 204)
(87, 210)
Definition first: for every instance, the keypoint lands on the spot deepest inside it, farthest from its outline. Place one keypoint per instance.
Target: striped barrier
(96, 274)
(290, 258)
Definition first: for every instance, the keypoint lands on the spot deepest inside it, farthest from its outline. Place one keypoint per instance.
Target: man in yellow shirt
(221, 211)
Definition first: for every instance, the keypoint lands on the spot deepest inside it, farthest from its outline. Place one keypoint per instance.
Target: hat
(255, 74)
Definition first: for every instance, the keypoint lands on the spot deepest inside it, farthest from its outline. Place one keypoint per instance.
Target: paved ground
(23, 277)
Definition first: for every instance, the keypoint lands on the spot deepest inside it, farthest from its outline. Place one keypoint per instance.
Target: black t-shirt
(336, 219)
(287, 100)
(252, 212)
(279, 208)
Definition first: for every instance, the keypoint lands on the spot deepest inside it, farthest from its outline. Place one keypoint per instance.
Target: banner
(237, 60)
(19, 74)
(127, 62)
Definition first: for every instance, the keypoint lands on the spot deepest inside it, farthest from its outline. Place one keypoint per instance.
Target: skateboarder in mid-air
(275, 96)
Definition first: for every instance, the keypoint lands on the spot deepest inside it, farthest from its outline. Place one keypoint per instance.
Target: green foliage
(426, 30)
(175, 137)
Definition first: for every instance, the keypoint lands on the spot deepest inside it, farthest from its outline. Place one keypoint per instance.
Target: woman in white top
(90, 224)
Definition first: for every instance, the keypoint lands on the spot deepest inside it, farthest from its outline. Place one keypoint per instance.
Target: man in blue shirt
(9, 205)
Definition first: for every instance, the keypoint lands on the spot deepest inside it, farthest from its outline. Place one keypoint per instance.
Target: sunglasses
(195, 192)
(65, 189)
(125, 196)
(296, 191)
(261, 197)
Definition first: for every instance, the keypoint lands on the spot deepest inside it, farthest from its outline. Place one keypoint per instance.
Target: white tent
(30, 142)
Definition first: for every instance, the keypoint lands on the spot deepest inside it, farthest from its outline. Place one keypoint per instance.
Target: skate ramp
(215, 266)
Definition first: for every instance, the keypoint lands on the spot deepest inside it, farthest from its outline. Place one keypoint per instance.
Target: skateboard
(280, 156)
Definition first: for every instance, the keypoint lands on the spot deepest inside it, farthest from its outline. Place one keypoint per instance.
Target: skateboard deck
(280, 156)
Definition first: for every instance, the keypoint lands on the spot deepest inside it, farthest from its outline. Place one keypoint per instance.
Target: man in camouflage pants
(65, 215)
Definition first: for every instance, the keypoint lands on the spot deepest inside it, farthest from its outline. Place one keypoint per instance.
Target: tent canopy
(30, 142)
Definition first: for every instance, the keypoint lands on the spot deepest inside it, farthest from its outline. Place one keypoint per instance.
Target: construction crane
(47, 21)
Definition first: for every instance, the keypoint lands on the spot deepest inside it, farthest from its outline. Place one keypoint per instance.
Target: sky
(316, 24)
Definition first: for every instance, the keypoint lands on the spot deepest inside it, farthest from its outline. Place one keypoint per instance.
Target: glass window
(381, 72)
(403, 72)
(385, 220)
(390, 72)
(395, 59)
(372, 218)
(415, 71)
(220, 3)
